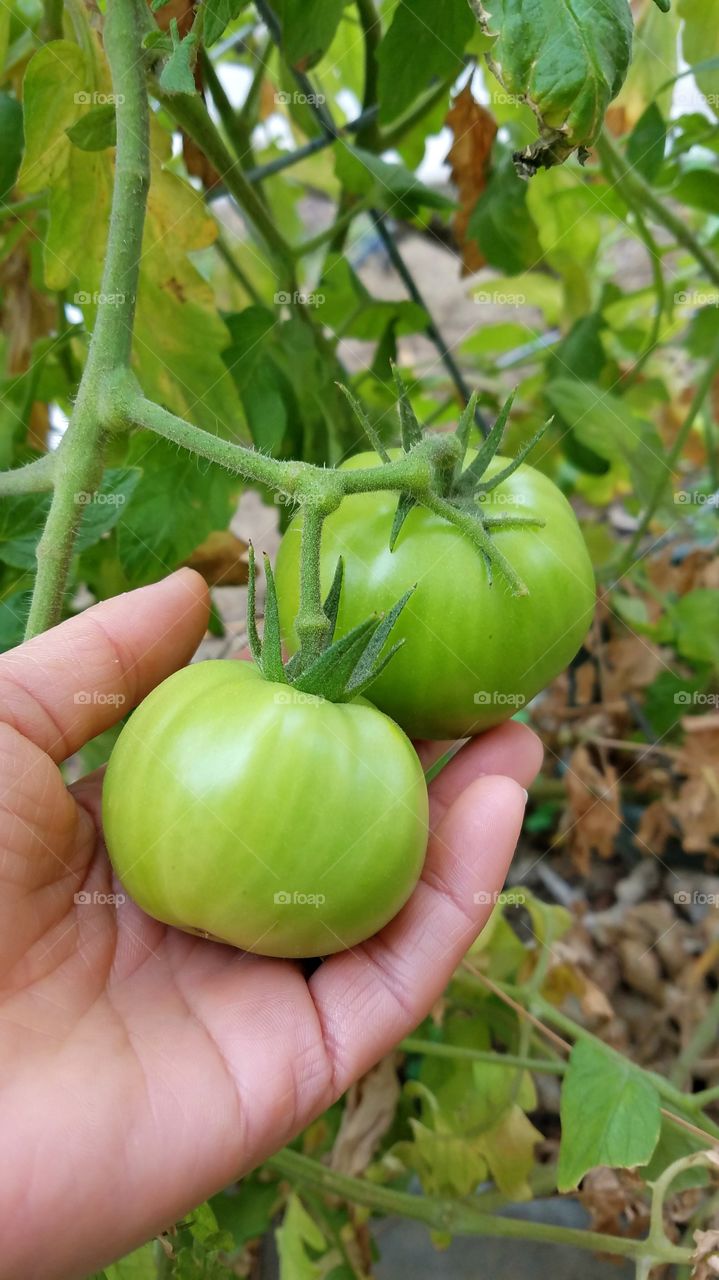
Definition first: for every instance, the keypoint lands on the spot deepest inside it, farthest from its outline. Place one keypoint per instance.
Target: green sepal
(328, 676)
(467, 480)
(404, 505)
(272, 665)
(463, 429)
(485, 486)
(367, 668)
(411, 431)
(177, 75)
(364, 422)
(331, 605)
(253, 638)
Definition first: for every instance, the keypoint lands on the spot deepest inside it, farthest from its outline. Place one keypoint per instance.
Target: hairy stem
(661, 213)
(34, 477)
(460, 1217)
(702, 391)
(192, 116)
(79, 459)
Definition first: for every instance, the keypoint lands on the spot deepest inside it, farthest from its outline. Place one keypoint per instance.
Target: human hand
(144, 1068)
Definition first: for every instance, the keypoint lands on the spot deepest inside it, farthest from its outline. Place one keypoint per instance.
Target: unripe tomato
(267, 818)
(474, 653)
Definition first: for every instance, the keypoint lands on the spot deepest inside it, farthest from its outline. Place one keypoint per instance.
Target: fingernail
(526, 795)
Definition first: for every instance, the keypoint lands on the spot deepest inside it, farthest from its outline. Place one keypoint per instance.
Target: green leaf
(607, 425)
(261, 384)
(610, 1114)
(14, 610)
(308, 28)
(389, 185)
(176, 504)
(218, 16)
(61, 80)
(696, 621)
(139, 1265)
(177, 75)
(698, 188)
(95, 130)
(22, 518)
(646, 143)
(567, 62)
(11, 143)
(501, 223)
(180, 336)
(298, 1233)
(423, 43)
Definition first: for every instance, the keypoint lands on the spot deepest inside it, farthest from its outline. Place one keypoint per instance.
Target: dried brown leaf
(221, 560)
(474, 130)
(367, 1116)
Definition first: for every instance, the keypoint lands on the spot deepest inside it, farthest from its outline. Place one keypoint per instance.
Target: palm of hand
(145, 1068)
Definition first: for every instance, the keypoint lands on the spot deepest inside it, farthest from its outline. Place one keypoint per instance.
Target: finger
(369, 998)
(511, 750)
(79, 678)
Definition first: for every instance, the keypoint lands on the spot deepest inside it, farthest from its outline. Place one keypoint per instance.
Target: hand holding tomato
(144, 1068)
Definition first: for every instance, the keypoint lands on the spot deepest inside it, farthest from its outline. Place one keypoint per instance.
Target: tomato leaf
(308, 28)
(609, 1111)
(11, 142)
(95, 130)
(566, 63)
(422, 44)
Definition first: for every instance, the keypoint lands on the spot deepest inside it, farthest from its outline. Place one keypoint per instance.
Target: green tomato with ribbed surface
(475, 654)
(264, 817)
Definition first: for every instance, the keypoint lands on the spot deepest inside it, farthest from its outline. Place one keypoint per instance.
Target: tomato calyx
(458, 491)
(345, 668)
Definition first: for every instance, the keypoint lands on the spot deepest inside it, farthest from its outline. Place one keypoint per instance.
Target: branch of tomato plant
(34, 477)
(616, 176)
(547, 1013)
(657, 1236)
(634, 183)
(191, 114)
(703, 1037)
(235, 128)
(79, 458)
(436, 1049)
(462, 1217)
(702, 391)
(371, 24)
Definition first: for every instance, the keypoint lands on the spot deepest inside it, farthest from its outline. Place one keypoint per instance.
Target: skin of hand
(142, 1068)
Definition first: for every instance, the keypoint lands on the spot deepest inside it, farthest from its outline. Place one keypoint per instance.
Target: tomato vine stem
(79, 459)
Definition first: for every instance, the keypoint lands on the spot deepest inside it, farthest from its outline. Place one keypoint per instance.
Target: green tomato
(474, 654)
(264, 817)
